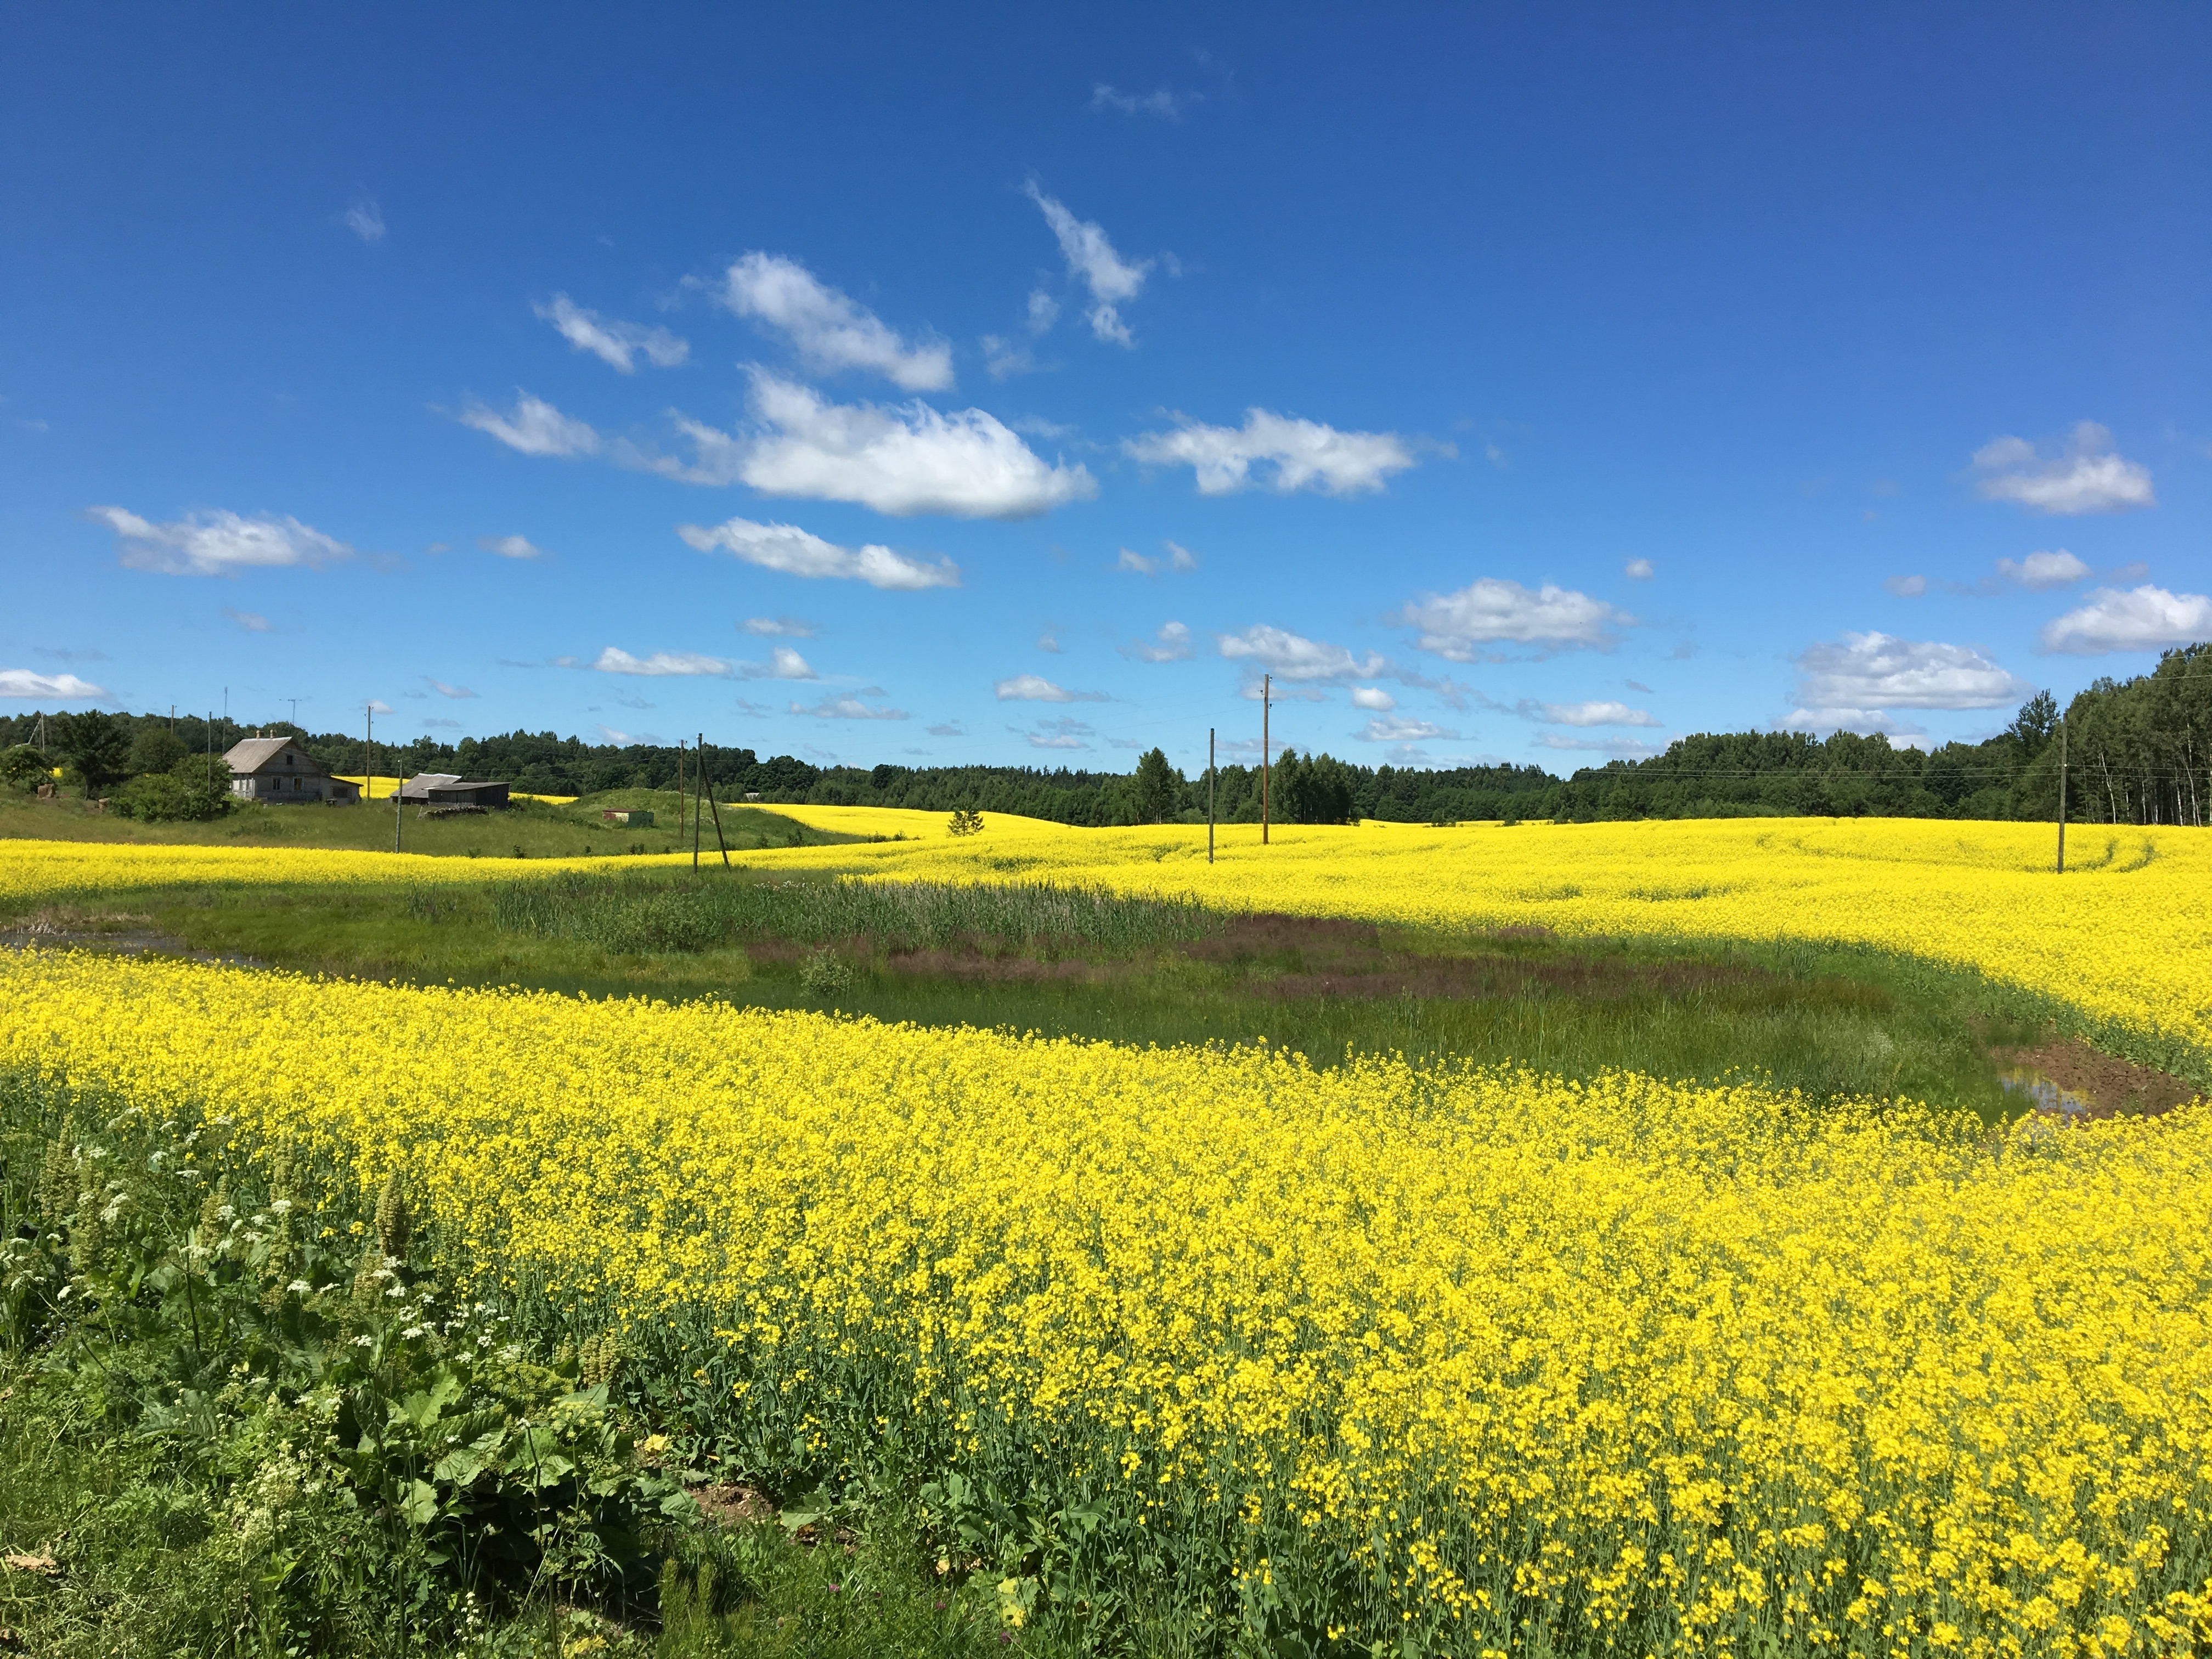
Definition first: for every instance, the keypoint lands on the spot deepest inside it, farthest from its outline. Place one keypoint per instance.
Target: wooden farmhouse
(279, 770)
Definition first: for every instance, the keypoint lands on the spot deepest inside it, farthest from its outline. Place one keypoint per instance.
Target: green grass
(538, 828)
(1831, 1021)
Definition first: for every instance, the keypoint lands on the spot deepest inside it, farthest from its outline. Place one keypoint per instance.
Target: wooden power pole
(714, 807)
(1267, 683)
(2061, 795)
(1209, 794)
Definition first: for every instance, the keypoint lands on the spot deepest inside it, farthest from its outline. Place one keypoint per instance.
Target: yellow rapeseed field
(1445, 1361)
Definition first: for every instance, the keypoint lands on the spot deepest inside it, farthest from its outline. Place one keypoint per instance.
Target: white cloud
(2141, 619)
(449, 725)
(1171, 644)
(797, 552)
(364, 219)
(251, 621)
(1587, 714)
(446, 690)
(1112, 280)
(1491, 610)
(1302, 454)
(1180, 557)
(1048, 640)
(376, 706)
(615, 343)
(1618, 748)
(1403, 729)
(787, 628)
(1640, 569)
(829, 331)
(2040, 572)
(660, 664)
(217, 544)
(849, 708)
(1373, 697)
(1822, 722)
(1291, 656)
(1055, 740)
(1906, 588)
(1168, 106)
(897, 460)
(1004, 357)
(23, 682)
(511, 547)
(1035, 688)
(2086, 476)
(1870, 672)
(1137, 562)
(535, 427)
(784, 664)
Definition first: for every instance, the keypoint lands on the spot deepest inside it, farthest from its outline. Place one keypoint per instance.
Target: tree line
(2136, 751)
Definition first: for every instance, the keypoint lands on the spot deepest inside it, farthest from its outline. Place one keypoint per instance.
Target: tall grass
(632, 914)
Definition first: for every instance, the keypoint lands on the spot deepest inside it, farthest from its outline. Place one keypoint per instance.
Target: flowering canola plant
(1436, 1359)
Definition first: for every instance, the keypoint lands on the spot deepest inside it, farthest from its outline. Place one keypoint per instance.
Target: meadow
(1480, 1239)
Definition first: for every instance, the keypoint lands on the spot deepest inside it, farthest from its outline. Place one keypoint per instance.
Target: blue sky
(1019, 384)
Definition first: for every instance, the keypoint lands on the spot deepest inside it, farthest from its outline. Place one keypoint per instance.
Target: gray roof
(251, 754)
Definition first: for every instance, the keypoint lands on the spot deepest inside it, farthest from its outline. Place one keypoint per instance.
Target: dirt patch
(734, 1504)
(2108, 1087)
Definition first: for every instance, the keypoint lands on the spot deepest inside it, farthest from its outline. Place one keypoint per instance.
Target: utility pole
(1209, 794)
(1266, 683)
(2061, 793)
(699, 781)
(713, 805)
(294, 702)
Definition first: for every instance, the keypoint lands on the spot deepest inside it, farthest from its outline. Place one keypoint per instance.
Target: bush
(186, 793)
(23, 767)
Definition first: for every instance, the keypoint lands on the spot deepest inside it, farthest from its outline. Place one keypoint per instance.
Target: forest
(2133, 751)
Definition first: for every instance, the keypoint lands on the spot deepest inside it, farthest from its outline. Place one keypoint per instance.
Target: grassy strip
(1831, 1020)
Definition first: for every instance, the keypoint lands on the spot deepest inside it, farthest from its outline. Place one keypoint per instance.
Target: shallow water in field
(2038, 1093)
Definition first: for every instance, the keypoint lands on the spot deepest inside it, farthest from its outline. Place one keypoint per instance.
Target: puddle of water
(2041, 1094)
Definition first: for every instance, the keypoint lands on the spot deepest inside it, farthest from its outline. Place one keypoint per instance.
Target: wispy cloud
(1373, 697)
(1638, 570)
(511, 547)
(217, 544)
(828, 331)
(251, 621)
(2145, 618)
(1906, 588)
(1292, 453)
(364, 219)
(1617, 748)
(1177, 558)
(1403, 729)
(788, 627)
(615, 660)
(847, 708)
(1035, 688)
(65, 688)
(534, 426)
(1490, 610)
(1585, 713)
(446, 690)
(1171, 644)
(618, 344)
(1004, 355)
(2085, 474)
(1165, 105)
(796, 552)
(1091, 259)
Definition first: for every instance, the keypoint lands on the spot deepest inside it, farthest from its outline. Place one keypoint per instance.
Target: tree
(1159, 787)
(156, 749)
(22, 767)
(2036, 724)
(94, 743)
(966, 821)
